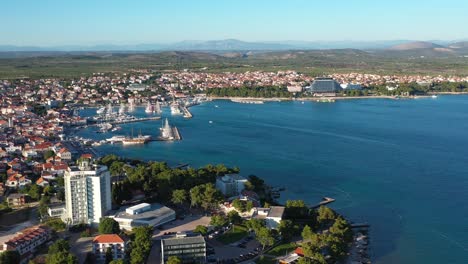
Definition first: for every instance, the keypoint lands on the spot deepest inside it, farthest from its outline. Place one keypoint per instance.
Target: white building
(231, 184)
(144, 214)
(272, 215)
(113, 242)
(87, 193)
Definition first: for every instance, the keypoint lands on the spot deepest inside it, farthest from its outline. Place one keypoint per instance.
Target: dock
(133, 120)
(360, 225)
(177, 136)
(187, 113)
(325, 201)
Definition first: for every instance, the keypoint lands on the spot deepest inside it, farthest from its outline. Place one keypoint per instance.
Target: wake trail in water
(449, 239)
(329, 134)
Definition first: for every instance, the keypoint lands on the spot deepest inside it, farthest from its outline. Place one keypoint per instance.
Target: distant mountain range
(392, 47)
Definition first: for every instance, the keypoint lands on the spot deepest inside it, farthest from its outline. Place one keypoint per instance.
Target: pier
(177, 136)
(360, 225)
(187, 113)
(325, 201)
(132, 120)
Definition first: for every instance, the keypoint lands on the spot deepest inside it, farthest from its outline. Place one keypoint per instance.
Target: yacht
(157, 109)
(115, 139)
(101, 111)
(175, 109)
(166, 131)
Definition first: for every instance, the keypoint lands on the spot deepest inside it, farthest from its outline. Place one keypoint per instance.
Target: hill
(416, 45)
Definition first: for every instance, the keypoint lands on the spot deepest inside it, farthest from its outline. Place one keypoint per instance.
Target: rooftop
(108, 238)
(183, 240)
(155, 211)
(276, 211)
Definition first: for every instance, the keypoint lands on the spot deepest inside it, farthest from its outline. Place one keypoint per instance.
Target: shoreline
(318, 98)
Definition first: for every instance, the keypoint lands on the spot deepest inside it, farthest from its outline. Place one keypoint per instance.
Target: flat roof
(156, 211)
(183, 240)
(276, 211)
(138, 206)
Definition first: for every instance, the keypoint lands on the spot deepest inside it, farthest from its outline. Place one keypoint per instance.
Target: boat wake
(449, 239)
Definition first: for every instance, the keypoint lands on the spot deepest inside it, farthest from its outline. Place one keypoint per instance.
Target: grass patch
(265, 260)
(236, 233)
(282, 249)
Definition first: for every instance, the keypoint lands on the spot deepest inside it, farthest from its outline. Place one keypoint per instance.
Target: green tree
(218, 221)
(265, 237)
(304, 261)
(201, 229)
(249, 206)
(141, 245)
(196, 196)
(179, 196)
(61, 258)
(255, 224)
(325, 215)
(174, 260)
(239, 205)
(35, 191)
(10, 256)
(306, 233)
(286, 229)
(296, 209)
(234, 217)
(108, 226)
(48, 153)
(60, 245)
(117, 261)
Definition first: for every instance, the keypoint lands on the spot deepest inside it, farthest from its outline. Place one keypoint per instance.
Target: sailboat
(149, 108)
(136, 140)
(122, 109)
(157, 109)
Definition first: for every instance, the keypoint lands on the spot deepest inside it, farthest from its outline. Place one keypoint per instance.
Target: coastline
(280, 99)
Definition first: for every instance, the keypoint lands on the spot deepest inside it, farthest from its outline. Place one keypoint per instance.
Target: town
(62, 202)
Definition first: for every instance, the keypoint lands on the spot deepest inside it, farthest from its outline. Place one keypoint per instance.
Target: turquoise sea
(400, 165)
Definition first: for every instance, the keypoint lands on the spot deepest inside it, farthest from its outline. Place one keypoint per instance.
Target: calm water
(399, 165)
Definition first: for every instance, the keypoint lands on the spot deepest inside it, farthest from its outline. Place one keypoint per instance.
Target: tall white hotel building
(87, 193)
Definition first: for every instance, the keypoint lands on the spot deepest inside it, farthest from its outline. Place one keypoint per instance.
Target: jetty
(325, 201)
(128, 120)
(187, 113)
(360, 225)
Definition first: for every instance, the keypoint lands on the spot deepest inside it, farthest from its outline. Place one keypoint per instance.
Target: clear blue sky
(89, 22)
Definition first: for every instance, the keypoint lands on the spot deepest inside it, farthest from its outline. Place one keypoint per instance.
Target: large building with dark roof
(324, 86)
(191, 249)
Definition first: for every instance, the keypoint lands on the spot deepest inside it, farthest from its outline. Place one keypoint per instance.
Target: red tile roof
(299, 251)
(109, 238)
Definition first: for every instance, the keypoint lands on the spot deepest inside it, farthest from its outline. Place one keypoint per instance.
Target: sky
(94, 22)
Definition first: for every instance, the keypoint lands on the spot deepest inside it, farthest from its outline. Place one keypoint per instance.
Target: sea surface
(400, 165)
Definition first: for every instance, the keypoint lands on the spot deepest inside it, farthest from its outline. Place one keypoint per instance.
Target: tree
(196, 195)
(234, 217)
(48, 153)
(249, 206)
(218, 221)
(174, 260)
(43, 205)
(108, 226)
(265, 237)
(296, 209)
(306, 233)
(141, 245)
(286, 229)
(304, 261)
(60, 245)
(239, 205)
(117, 261)
(201, 229)
(255, 224)
(325, 215)
(35, 191)
(179, 196)
(61, 258)
(10, 256)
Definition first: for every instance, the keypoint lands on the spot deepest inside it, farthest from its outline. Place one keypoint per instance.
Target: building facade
(112, 242)
(189, 249)
(231, 184)
(323, 86)
(87, 193)
(27, 241)
(144, 214)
